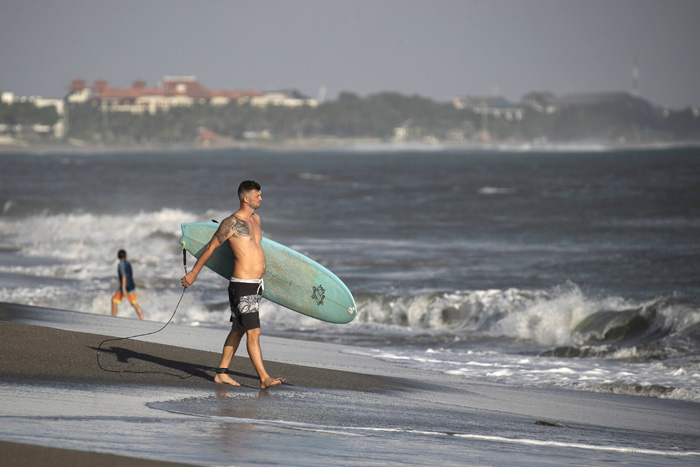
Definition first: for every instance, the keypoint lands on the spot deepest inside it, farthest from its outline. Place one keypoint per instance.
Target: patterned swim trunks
(244, 298)
(118, 297)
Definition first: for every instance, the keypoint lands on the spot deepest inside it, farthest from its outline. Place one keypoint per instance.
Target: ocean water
(575, 269)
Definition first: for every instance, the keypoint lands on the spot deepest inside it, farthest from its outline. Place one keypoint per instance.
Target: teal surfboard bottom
(291, 279)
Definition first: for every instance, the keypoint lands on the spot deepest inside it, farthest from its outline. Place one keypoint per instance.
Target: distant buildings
(289, 98)
(493, 106)
(173, 91)
(546, 102)
(625, 100)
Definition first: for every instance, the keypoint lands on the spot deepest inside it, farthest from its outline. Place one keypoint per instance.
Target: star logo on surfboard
(319, 294)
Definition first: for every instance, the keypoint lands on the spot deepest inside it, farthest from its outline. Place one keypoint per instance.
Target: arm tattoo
(228, 225)
(224, 230)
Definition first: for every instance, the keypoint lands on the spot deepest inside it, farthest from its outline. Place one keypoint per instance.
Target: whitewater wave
(665, 380)
(68, 260)
(491, 190)
(86, 237)
(562, 322)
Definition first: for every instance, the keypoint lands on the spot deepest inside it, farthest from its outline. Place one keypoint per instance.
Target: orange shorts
(118, 297)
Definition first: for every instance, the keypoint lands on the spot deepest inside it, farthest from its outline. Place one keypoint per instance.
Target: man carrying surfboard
(243, 233)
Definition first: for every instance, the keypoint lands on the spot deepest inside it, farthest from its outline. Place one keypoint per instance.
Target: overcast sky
(437, 49)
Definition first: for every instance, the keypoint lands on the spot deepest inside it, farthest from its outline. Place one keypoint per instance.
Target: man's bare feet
(269, 382)
(223, 378)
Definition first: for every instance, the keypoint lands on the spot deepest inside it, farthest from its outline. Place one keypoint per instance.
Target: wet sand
(22, 455)
(48, 356)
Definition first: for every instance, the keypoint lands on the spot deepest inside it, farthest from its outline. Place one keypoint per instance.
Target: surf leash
(113, 339)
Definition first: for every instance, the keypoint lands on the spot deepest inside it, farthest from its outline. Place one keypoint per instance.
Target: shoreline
(343, 144)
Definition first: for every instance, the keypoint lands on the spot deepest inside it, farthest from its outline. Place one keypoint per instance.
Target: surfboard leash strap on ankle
(99, 348)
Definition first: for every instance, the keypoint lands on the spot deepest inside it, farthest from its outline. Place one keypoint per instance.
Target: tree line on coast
(27, 113)
(376, 116)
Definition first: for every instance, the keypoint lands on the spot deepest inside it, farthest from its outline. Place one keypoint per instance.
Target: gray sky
(437, 49)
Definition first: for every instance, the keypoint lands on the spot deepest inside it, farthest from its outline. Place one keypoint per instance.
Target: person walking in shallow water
(127, 288)
(242, 231)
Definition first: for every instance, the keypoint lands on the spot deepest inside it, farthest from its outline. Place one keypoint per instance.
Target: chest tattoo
(232, 226)
(241, 228)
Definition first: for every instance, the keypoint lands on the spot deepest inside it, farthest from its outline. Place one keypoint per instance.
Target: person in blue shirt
(127, 288)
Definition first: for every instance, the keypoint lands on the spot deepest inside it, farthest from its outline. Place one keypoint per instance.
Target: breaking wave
(564, 321)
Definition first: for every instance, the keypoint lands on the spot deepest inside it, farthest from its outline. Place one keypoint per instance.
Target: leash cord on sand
(99, 348)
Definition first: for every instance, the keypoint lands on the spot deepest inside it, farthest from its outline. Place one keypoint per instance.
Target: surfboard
(292, 279)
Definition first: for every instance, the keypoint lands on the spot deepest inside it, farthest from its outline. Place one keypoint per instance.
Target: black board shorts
(244, 299)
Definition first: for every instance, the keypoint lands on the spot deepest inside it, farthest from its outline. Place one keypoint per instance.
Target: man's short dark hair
(246, 187)
(121, 254)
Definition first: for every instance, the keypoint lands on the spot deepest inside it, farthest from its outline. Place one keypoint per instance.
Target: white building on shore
(173, 91)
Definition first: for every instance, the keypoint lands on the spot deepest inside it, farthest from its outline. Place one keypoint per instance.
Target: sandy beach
(72, 358)
(52, 381)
